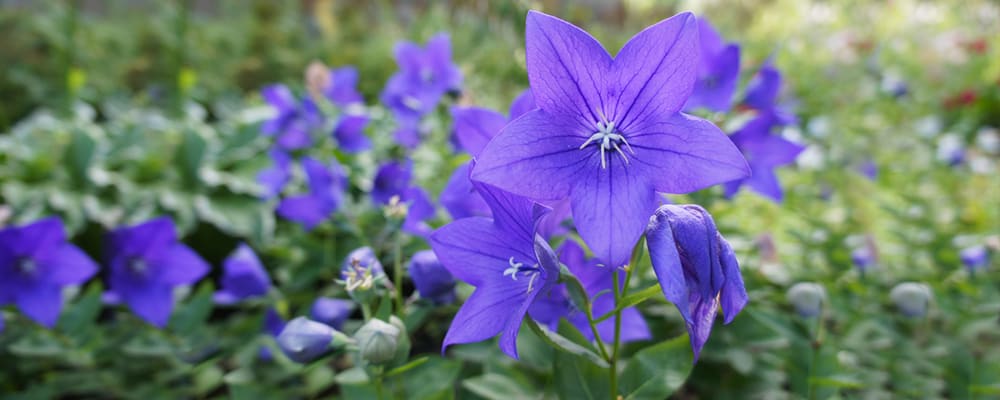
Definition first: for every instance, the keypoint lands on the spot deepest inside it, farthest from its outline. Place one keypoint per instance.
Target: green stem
(378, 385)
(614, 347)
(366, 311)
(597, 336)
(69, 56)
(397, 270)
(817, 344)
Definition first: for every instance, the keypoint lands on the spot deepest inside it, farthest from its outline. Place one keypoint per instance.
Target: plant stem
(817, 345)
(614, 347)
(378, 385)
(366, 311)
(597, 336)
(397, 269)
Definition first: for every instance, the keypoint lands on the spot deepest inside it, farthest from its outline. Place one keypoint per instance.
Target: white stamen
(606, 138)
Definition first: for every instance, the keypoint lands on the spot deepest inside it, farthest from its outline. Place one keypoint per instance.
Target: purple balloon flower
(764, 151)
(608, 133)
(425, 75)
(975, 258)
(243, 277)
(342, 91)
(718, 72)
(393, 180)
(507, 262)
(274, 178)
(326, 190)
(146, 263)
(304, 340)
(431, 279)
(360, 260)
(293, 120)
(36, 262)
(696, 268)
(332, 312)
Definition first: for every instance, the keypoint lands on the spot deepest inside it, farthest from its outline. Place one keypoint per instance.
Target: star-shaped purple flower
(696, 267)
(293, 121)
(718, 72)
(608, 133)
(326, 190)
(507, 262)
(146, 262)
(243, 277)
(36, 262)
(764, 151)
(393, 180)
(350, 128)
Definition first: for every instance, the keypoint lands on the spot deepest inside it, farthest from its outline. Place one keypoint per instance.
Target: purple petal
(244, 275)
(431, 279)
(151, 303)
(567, 68)
(485, 313)
(460, 198)
(39, 238)
(666, 260)
(734, 295)
(553, 223)
(657, 69)
(41, 303)
(717, 82)
(537, 155)
(702, 318)
(682, 153)
(392, 179)
(181, 266)
(148, 239)
(295, 136)
(67, 265)
(522, 104)
(341, 89)
(513, 214)
(476, 251)
(708, 37)
(273, 179)
(279, 97)
(610, 207)
(508, 339)
(771, 150)
(332, 312)
(350, 133)
(475, 126)
(308, 210)
(765, 182)
(419, 210)
(762, 92)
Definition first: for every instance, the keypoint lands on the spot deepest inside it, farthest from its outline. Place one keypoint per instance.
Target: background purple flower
(274, 178)
(608, 133)
(332, 312)
(975, 258)
(36, 262)
(146, 262)
(431, 279)
(273, 325)
(718, 72)
(350, 128)
(293, 121)
(243, 277)
(361, 258)
(393, 179)
(460, 197)
(764, 152)
(326, 190)
(696, 267)
(762, 93)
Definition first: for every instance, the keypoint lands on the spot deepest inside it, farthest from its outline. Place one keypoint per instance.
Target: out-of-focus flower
(332, 312)
(975, 258)
(762, 94)
(36, 262)
(608, 133)
(507, 262)
(950, 149)
(696, 267)
(911, 298)
(326, 189)
(243, 277)
(718, 72)
(146, 262)
(274, 178)
(764, 152)
(460, 198)
(361, 270)
(377, 341)
(273, 325)
(807, 298)
(303, 340)
(431, 279)
(294, 120)
(869, 169)
(341, 89)
(393, 180)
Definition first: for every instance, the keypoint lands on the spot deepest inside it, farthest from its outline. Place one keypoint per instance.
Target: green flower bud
(911, 298)
(807, 298)
(377, 341)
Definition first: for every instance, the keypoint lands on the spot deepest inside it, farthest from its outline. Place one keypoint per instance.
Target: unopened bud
(807, 298)
(377, 341)
(304, 340)
(911, 298)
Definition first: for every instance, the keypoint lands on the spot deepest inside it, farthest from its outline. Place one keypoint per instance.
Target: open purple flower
(359, 261)
(507, 262)
(293, 121)
(350, 128)
(696, 267)
(274, 178)
(243, 277)
(146, 262)
(608, 133)
(332, 312)
(393, 180)
(425, 75)
(718, 72)
(36, 262)
(326, 190)
(431, 279)
(765, 152)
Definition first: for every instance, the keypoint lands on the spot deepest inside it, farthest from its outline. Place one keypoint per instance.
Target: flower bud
(332, 312)
(911, 298)
(377, 341)
(807, 298)
(974, 258)
(304, 340)
(431, 279)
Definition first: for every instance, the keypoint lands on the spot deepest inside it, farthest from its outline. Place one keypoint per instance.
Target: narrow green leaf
(631, 300)
(558, 341)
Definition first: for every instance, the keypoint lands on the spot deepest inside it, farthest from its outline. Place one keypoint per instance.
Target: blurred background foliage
(115, 111)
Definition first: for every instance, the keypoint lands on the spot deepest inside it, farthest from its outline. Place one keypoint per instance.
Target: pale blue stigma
(516, 268)
(607, 138)
(26, 266)
(138, 266)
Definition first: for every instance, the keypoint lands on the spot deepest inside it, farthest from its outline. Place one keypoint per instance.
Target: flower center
(138, 266)
(607, 138)
(26, 266)
(531, 271)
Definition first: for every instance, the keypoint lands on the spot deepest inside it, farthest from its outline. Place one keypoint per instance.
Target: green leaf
(631, 300)
(192, 316)
(657, 372)
(432, 379)
(575, 378)
(558, 341)
(242, 216)
(495, 387)
(79, 155)
(190, 154)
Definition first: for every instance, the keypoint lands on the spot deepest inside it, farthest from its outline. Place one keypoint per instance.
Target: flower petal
(682, 153)
(350, 133)
(41, 303)
(656, 71)
(181, 266)
(484, 314)
(508, 339)
(765, 182)
(460, 198)
(40, 237)
(537, 155)
(513, 214)
(476, 251)
(734, 294)
(308, 210)
(610, 207)
(68, 265)
(523, 103)
(567, 68)
(475, 126)
(666, 260)
(762, 92)
(152, 303)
